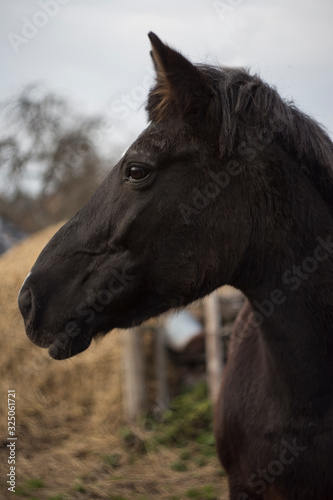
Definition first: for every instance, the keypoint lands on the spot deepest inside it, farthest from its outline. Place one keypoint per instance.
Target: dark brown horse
(228, 184)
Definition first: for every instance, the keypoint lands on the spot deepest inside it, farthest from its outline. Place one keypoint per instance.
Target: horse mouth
(61, 345)
(41, 339)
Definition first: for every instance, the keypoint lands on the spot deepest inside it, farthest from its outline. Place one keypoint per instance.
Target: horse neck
(293, 305)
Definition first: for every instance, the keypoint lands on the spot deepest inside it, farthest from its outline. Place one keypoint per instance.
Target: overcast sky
(97, 52)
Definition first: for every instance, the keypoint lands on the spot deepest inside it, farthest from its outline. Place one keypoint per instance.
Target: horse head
(190, 206)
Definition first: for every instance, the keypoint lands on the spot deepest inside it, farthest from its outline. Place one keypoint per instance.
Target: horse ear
(181, 88)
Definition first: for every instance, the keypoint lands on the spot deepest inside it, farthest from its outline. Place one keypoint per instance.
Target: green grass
(130, 439)
(204, 493)
(34, 483)
(80, 488)
(59, 497)
(179, 466)
(188, 424)
(28, 486)
(112, 459)
(189, 418)
(20, 491)
(200, 461)
(206, 438)
(185, 455)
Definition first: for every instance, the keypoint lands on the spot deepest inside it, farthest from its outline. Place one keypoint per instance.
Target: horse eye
(138, 173)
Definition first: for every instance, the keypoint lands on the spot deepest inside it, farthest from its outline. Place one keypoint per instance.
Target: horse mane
(237, 99)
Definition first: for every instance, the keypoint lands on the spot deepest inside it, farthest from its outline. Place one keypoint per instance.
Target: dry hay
(69, 413)
(65, 405)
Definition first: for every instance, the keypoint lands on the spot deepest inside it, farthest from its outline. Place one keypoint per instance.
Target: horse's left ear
(181, 88)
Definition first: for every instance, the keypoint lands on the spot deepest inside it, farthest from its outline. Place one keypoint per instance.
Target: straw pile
(59, 404)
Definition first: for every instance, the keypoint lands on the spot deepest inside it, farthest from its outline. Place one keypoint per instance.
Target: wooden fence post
(135, 395)
(214, 346)
(161, 369)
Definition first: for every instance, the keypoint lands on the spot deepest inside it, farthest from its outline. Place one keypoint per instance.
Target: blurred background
(74, 80)
(75, 76)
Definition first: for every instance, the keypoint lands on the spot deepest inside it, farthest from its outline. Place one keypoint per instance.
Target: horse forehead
(153, 139)
(148, 146)
(162, 136)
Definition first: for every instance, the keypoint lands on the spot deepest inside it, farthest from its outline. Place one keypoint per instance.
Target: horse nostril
(25, 302)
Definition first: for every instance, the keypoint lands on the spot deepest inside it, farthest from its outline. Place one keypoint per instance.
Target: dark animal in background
(228, 184)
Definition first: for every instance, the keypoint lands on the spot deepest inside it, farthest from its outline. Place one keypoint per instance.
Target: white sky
(97, 52)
